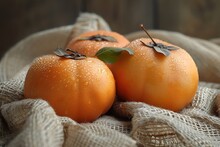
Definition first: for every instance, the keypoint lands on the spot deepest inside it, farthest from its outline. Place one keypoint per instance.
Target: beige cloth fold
(33, 123)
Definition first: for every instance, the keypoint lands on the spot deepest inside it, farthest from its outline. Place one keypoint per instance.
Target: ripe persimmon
(159, 74)
(77, 87)
(89, 43)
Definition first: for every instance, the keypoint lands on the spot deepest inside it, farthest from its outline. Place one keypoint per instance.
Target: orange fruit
(90, 42)
(168, 82)
(80, 89)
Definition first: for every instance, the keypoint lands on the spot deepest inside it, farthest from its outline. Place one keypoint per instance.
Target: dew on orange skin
(155, 63)
(90, 47)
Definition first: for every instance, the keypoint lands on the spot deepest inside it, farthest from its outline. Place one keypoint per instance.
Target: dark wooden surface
(124, 16)
(20, 18)
(199, 18)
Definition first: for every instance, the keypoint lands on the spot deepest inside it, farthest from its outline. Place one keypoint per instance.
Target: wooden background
(20, 18)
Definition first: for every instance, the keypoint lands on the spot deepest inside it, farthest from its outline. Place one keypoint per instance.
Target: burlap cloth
(30, 123)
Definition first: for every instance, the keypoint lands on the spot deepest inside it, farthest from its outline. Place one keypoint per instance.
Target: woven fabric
(33, 123)
(27, 122)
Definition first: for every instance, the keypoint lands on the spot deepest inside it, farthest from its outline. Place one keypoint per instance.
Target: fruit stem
(145, 30)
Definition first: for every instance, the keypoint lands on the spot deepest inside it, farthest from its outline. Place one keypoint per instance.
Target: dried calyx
(99, 37)
(68, 53)
(158, 47)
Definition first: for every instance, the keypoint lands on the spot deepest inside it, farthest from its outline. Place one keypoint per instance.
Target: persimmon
(159, 73)
(89, 43)
(76, 86)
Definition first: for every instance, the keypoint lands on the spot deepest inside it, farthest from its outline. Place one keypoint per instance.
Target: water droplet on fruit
(86, 83)
(101, 70)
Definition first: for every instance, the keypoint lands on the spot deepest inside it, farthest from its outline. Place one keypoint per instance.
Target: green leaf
(111, 54)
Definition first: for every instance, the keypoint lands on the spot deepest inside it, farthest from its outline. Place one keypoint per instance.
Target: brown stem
(145, 30)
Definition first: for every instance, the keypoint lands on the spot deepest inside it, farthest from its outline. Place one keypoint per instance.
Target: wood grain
(123, 16)
(198, 18)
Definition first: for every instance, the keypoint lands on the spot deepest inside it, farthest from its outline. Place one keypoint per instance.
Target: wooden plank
(198, 18)
(24, 17)
(123, 16)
